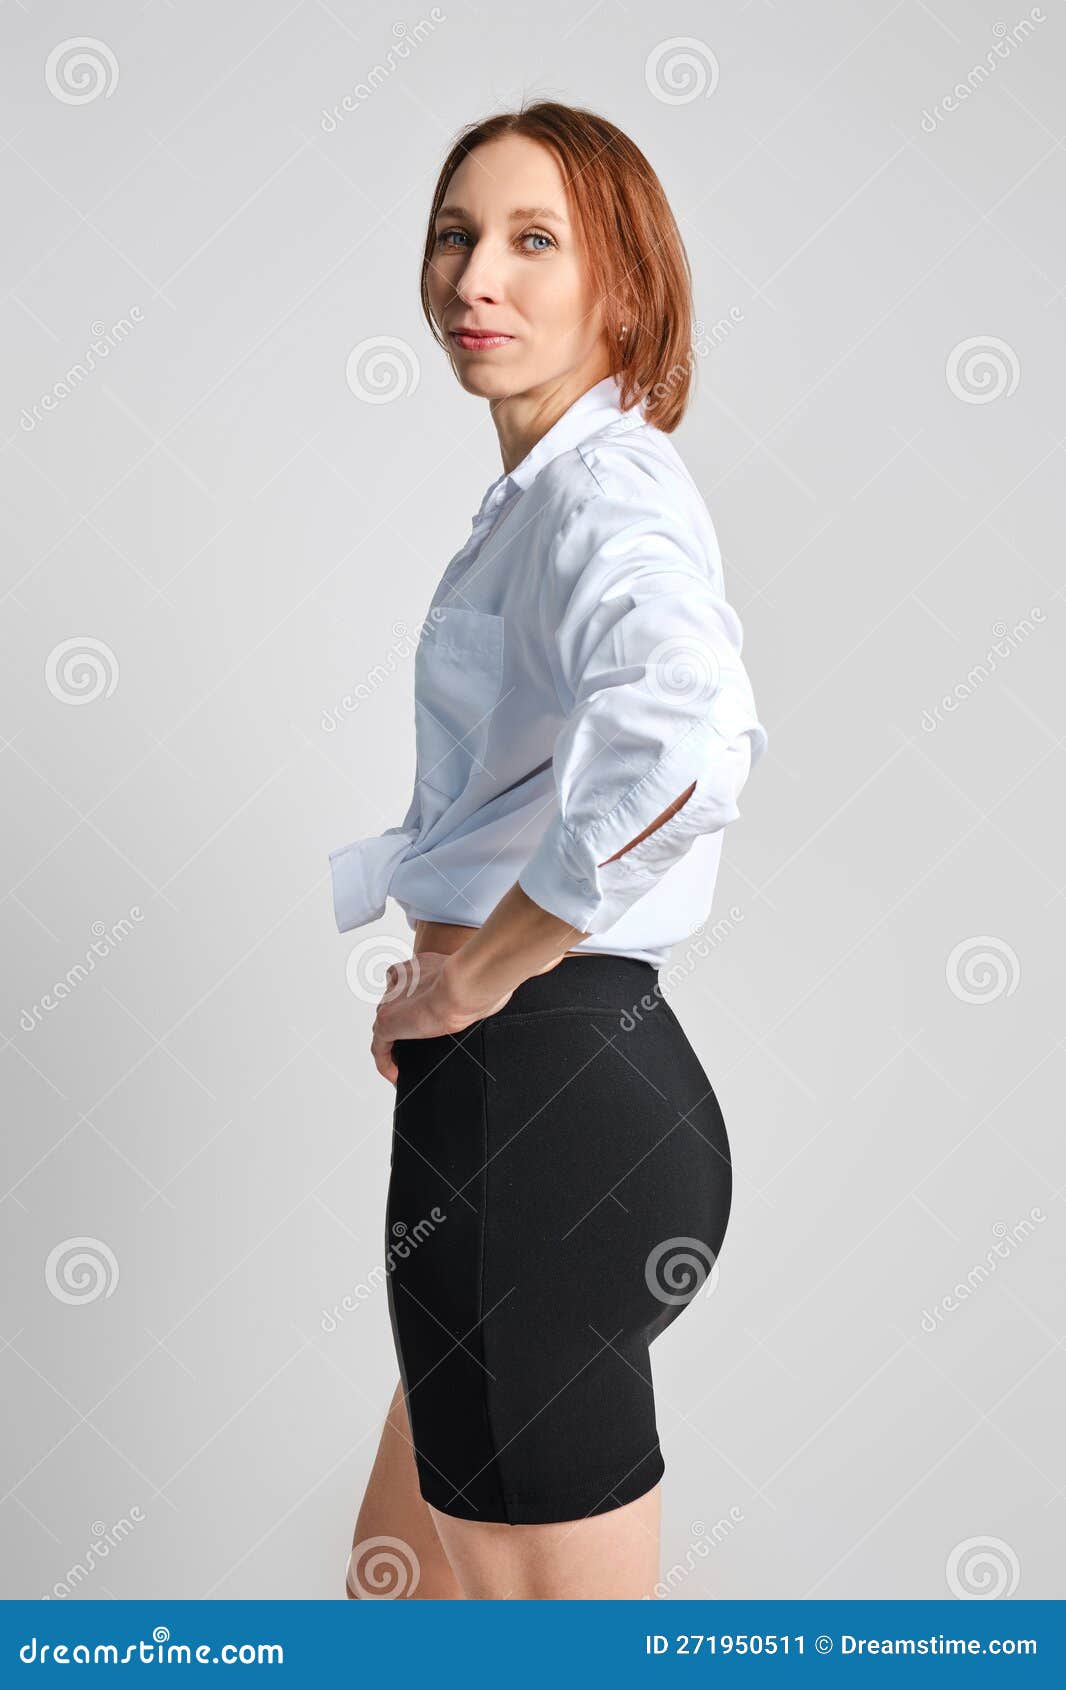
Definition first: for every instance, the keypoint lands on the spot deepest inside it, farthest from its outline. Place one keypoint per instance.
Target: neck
(524, 418)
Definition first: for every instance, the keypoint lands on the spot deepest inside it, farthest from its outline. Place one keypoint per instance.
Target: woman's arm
(434, 994)
(519, 939)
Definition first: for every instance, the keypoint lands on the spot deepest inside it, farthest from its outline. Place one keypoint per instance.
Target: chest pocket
(458, 679)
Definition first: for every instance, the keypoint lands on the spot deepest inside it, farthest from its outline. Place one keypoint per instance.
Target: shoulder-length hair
(634, 252)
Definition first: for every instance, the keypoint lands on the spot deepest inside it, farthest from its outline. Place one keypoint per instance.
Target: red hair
(621, 210)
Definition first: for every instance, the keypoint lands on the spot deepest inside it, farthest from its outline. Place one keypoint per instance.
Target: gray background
(245, 539)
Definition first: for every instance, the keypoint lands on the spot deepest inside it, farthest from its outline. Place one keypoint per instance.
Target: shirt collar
(592, 412)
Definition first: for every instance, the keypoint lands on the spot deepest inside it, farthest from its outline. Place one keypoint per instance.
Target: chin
(487, 383)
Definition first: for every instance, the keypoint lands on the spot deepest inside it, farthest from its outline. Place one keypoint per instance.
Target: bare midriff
(446, 937)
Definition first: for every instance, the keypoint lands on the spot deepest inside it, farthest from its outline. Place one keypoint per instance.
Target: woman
(560, 1175)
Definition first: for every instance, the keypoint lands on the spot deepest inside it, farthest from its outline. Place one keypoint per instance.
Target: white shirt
(578, 669)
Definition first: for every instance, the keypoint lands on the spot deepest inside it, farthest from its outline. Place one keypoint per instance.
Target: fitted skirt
(559, 1190)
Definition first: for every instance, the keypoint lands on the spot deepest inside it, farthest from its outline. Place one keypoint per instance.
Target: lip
(479, 340)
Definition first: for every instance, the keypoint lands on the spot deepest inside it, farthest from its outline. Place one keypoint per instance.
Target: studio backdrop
(234, 464)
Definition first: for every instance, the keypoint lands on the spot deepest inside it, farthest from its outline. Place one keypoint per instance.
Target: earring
(623, 330)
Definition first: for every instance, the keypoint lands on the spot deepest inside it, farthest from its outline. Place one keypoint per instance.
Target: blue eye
(444, 239)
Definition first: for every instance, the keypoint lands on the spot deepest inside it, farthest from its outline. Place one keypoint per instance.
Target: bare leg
(396, 1551)
(612, 1555)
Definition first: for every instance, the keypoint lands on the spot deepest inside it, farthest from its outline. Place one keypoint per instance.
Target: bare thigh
(612, 1555)
(405, 1549)
(396, 1552)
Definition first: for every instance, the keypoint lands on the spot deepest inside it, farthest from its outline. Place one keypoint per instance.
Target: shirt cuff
(568, 873)
(361, 874)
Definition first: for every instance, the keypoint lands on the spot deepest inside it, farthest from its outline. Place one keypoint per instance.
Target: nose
(480, 277)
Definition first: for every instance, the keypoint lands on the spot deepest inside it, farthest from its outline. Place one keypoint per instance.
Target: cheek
(438, 284)
(555, 294)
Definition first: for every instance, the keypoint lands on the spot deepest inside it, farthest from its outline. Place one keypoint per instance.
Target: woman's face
(521, 275)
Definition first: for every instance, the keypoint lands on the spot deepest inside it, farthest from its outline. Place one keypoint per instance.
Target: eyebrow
(522, 213)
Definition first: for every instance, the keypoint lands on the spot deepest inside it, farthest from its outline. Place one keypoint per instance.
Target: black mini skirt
(559, 1191)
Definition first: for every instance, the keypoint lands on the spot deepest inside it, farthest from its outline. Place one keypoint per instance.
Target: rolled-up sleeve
(645, 652)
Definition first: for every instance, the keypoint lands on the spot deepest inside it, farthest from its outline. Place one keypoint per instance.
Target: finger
(381, 1051)
(396, 981)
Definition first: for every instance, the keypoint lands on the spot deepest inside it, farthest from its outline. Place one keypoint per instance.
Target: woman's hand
(425, 997)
